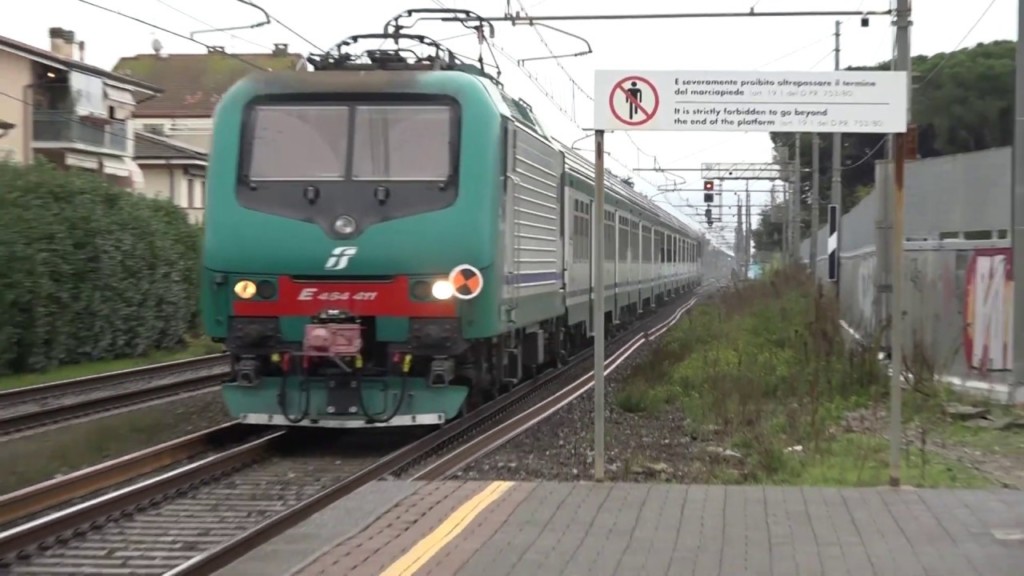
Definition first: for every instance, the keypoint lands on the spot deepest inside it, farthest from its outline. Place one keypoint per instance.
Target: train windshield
(361, 142)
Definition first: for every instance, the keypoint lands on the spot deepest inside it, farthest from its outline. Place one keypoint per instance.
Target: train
(392, 239)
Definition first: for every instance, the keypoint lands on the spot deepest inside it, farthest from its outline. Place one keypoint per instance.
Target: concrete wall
(170, 181)
(957, 268)
(15, 74)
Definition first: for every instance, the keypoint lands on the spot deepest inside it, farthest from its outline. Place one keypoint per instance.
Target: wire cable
(171, 32)
(881, 141)
(205, 23)
(958, 44)
(62, 114)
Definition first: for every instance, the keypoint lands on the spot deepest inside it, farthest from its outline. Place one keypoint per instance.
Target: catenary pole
(837, 182)
(815, 204)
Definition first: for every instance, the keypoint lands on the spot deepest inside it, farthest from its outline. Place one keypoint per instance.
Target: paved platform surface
(505, 528)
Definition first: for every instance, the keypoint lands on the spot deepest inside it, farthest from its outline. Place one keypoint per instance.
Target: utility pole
(897, 338)
(794, 203)
(837, 182)
(782, 157)
(1017, 206)
(815, 204)
(739, 242)
(749, 235)
(597, 313)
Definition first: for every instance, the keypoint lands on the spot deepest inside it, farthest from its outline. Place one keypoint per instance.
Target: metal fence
(958, 287)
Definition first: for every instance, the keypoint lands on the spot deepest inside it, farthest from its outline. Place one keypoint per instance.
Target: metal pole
(782, 209)
(897, 337)
(1017, 207)
(738, 242)
(598, 307)
(815, 203)
(749, 235)
(794, 203)
(837, 183)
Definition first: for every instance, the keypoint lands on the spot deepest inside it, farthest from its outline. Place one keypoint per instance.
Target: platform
(506, 528)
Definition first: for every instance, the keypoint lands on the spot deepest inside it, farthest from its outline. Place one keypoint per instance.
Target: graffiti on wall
(988, 310)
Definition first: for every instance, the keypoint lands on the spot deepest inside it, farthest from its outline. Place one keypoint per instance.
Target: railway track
(31, 407)
(202, 516)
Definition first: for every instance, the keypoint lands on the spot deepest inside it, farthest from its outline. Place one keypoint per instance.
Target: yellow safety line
(426, 548)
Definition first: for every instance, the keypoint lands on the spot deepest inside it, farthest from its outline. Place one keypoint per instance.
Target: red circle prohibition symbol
(620, 91)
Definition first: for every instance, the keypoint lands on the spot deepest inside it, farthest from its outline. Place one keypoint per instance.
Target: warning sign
(747, 101)
(634, 101)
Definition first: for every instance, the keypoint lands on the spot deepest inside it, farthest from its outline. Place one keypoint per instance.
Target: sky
(560, 91)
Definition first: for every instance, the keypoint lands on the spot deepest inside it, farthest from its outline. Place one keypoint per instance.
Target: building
(193, 84)
(53, 104)
(174, 171)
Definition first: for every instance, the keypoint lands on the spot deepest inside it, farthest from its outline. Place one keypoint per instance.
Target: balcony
(60, 129)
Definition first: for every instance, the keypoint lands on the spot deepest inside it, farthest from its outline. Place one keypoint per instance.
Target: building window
(191, 188)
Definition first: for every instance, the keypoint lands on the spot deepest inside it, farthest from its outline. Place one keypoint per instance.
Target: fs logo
(339, 257)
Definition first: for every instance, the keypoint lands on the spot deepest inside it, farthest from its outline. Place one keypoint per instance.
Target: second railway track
(31, 407)
(204, 515)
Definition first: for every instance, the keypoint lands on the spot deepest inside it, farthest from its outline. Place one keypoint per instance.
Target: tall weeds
(764, 366)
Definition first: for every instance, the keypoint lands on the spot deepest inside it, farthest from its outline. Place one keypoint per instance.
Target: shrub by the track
(90, 271)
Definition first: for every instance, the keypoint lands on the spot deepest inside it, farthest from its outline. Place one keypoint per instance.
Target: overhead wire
(205, 23)
(171, 32)
(539, 84)
(576, 85)
(64, 115)
(963, 39)
(958, 44)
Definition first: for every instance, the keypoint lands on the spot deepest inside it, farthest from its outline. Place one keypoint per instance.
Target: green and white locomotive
(392, 239)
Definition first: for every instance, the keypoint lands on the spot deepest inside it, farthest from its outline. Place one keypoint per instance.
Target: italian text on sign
(717, 101)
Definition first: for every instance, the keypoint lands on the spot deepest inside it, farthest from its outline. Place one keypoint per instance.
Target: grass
(764, 368)
(195, 347)
(863, 460)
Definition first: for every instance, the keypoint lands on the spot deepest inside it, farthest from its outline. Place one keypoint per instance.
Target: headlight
(345, 225)
(442, 290)
(245, 289)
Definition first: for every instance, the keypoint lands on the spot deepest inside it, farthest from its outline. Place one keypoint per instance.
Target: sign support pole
(897, 335)
(597, 309)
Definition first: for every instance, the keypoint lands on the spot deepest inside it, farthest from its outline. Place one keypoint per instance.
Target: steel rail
(117, 398)
(122, 501)
(19, 505)
(484, 428)
(74, 385)
(393, 465)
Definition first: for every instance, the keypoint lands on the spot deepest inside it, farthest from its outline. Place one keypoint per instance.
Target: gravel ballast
(638, 446)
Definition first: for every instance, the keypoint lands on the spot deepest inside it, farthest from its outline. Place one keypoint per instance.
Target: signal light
(709, 185)
(709, 197)
(707, 215)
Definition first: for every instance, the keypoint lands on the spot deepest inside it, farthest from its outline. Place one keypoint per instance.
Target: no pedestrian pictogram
(634, 101)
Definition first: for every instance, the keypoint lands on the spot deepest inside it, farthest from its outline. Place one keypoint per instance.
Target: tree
(962, 102)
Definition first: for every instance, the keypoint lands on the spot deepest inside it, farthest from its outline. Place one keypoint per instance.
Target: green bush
(89, 271)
